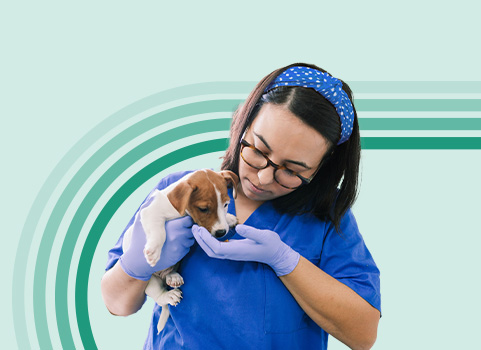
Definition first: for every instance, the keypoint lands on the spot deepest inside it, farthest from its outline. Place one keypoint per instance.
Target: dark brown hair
(334, 188)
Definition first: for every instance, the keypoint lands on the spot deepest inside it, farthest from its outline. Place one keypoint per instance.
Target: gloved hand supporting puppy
(263, 246)
(179, 239)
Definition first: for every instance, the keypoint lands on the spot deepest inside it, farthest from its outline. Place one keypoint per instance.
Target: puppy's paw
(231, 220)
(171, 297)
(152, 254)
(174, 280)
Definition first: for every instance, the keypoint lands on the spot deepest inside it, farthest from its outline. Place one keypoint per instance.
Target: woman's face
(287, 141)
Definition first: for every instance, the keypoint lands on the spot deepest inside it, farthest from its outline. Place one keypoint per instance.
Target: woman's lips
(254, 188)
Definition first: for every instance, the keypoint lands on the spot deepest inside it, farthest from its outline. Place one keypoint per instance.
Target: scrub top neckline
(257, 218)
(233, 210)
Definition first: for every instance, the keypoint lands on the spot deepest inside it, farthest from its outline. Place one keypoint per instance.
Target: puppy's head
(203, 196)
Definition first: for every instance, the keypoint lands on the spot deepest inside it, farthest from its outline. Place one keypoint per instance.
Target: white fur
(221, 224)
(153, 218)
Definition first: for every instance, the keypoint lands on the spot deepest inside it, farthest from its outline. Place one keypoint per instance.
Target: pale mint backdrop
(79, 85)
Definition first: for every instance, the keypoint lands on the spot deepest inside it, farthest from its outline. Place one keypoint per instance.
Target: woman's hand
(263, 246)
(177, 244)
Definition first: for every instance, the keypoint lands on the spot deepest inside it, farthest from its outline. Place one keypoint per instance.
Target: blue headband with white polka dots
(327, 86)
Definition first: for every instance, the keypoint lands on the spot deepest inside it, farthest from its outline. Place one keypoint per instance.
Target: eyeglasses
(283, 176)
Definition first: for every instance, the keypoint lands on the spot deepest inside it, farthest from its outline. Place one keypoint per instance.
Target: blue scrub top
(244, 305)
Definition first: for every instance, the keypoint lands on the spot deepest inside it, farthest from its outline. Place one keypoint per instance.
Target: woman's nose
(266, 175)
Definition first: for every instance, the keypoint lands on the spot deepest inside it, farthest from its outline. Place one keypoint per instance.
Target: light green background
(67, 67)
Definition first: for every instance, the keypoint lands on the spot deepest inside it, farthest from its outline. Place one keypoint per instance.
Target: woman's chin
(255, 193)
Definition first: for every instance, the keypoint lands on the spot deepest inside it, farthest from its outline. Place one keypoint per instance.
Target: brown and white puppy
(201, 195)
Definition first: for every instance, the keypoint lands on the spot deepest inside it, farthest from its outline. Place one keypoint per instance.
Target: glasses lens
(254, 158)
(287, 178)
(257, 160)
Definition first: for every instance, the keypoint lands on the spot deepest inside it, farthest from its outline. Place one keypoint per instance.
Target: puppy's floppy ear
(180, 196)
(231, 178)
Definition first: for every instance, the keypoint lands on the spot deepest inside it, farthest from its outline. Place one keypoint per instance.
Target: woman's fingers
(252, 233)
(205, 240)
(234, 249)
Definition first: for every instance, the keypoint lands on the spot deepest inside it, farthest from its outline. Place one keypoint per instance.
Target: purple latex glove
(263, 246)
(177, 244)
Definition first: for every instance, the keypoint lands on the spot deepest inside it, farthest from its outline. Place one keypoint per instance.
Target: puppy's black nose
(220, 233)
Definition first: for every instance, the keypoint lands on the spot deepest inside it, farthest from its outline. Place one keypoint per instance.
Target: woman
(297, 268)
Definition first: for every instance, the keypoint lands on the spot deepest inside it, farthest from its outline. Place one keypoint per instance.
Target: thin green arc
(81, 290)
(67, 161)
(415, 87)
(418, 105)
(77, 181)
(92, 197)
(421, 143)
(420, 123)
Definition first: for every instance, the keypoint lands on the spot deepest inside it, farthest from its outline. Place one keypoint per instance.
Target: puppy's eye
(203, 209)
(225, 205)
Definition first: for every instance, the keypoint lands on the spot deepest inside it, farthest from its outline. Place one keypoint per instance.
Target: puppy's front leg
(154, 243)
(153, 219)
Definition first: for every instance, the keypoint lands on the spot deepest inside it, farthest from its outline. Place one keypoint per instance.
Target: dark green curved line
(421, 143)
(415, 87)
(420, 123)
(80, 216)
(418, 105)
(85, 262)
(74, 185)
(71, 156)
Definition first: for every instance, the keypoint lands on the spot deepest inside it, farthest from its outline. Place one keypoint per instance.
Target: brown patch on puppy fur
(202, 206)
(198, 195)
(180, 196)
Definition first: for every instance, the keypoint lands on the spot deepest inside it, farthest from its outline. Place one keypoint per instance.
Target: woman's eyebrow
(263, 141)
(304, 165)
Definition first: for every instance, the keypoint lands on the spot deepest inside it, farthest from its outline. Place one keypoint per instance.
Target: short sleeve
(115, 253)
(345, 257)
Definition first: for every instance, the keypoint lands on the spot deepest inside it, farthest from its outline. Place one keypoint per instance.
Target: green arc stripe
(421, 143)
(420, 123)
(48, 188)
(418, 105)
(75, 184)
(81, 289)
(415, 87)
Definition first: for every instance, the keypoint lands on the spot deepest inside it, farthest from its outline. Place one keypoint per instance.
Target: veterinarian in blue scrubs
(297, 268)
